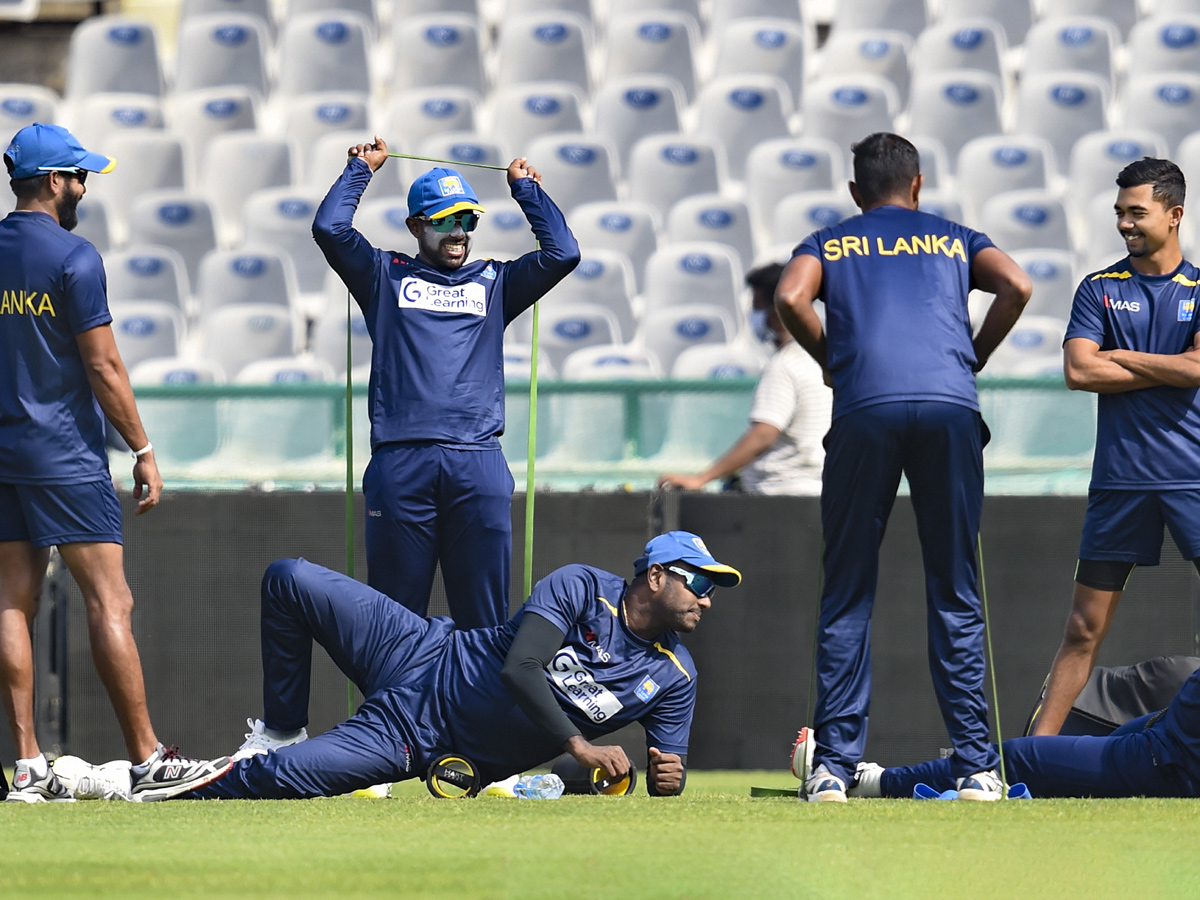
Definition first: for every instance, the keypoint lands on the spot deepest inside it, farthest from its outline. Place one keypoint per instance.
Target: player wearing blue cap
(902, 362)
(1133, 339)
(438, 487)
(59, 371)
(586, 655)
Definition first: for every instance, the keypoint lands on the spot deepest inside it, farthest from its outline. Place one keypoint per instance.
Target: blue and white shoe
(802, 753)
(822, 786)
(982, 786)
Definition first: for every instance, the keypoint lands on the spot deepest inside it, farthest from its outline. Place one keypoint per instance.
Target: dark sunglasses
(80, 174)
(699, 584)
(467, 221)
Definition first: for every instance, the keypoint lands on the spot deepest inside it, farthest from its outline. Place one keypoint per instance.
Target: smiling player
(1132, 340)
(438, 487)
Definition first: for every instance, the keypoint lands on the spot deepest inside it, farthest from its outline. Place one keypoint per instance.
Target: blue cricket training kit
(432, 689)
(895, 283)
(52, 288)
(1146, 466)
(437, 385)
(1151, 756)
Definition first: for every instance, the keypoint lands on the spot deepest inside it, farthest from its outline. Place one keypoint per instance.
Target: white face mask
(762, 331)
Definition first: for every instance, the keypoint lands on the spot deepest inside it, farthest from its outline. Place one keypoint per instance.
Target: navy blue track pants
(429, 503)
(939, 447)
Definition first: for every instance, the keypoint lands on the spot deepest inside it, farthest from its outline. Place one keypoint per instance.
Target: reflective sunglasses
(467, 221)
(80, 174)
(698, 583)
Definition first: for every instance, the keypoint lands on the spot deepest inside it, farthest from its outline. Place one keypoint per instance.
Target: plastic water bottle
(539, 787)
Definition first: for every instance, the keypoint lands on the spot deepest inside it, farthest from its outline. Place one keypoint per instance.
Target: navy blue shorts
(46, 515)
(1127, 526)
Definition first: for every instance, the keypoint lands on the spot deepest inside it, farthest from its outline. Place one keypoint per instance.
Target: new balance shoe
(170, 775)
(984, 786)
(107, 781)
(28, 788)
(258, 741)
(822, 786)
(866, 781)
(802, 753)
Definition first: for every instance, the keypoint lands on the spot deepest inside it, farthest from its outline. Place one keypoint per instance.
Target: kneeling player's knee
(279, 574)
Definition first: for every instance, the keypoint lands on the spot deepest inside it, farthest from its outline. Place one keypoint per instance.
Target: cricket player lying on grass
(1156, 755)
(586, 655)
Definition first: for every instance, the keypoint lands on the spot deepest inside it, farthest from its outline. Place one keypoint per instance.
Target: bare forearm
(1177, 370)
(801, 320)
(110, 384)
(750, 446)
(1001, 316)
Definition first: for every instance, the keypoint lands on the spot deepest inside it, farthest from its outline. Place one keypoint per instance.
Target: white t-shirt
(792, 396)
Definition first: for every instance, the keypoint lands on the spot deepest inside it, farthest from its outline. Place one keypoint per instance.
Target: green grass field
(715, 841)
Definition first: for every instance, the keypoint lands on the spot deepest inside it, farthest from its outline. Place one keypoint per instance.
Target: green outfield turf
(713, 842)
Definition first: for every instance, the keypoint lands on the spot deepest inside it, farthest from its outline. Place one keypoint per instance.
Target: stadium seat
(503, 231)
(893, 15)
(105, 116)
(605, 278)
(785, 166)
(766, 46)
(1167, 103)
(668, 331)
(729, 12)
(944, 204)
(710, 217)
(146, 272)
(417, 114)
(544, 46)
(564, 328)
(846, 108)
(934, 160)
(997, 163)
(113, 54)
(1033, 347)
(1053, 275)
(654, 41)
(625, 227)
(238, 164)
(610, 362)
(717, 361)
(1102, 241)
(1072, 43)
(1166, 43)
(237, 334)
(955, 106)
(1187, 157)
(327, 161)
(665, 168)
(463, 150)
(799, 215)
(243, 276)
(1022, 220)
(695, 273)
(629, 108)
(24, 104)
(324, 51)
(154, 160)
(1098, 157)
(329, 338)
(383, 223)
(1122, 13)
(873, 51)
(221, 49)
(518, 366)
(280, 429)
(625, 7)
(1014, 16)
(145, 329)
(364, 8)
(261, 9)
(578, 168)
(1061, 106)
(977, 44)
(282, 218)
(520, 113)
(309, 117)
(439, 50)
(580, 8)
(185, 429)
(739, 111)
(93, 222)
(202, 115)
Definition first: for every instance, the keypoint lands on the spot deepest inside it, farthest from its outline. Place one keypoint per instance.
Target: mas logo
(579, 685)
(450, 184)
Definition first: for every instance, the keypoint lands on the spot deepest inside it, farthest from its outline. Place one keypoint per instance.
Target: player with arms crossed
(438, 487)
(1133, 340)
(586, 655)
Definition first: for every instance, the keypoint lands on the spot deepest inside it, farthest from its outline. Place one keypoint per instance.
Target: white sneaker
(107, 781)
(866, 781)
(823, 786)
(257, 741)
(802, 753)
(985, 786)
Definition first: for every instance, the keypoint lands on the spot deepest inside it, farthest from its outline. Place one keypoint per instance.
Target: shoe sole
(826, 797)
(805, 739)
(978, 796)
(153, 795)
(22, 797)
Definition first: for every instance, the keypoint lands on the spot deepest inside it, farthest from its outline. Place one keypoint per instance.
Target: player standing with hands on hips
(438, 486)
(902, 362)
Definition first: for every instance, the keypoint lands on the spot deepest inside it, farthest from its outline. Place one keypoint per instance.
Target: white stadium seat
(628, 228)
(1053, 275)
(417, 114)
(24, 104)
(695, 273)
(799, 215)
(955, 106)
(846, 108)
(221, 49)
(1098, 157)
(1022, 220)
(147, 272)
(324, 51)
(740, 111)
(872, 51)
(670, 331)
(238, 334)
(997, 163)
(653, 41)
(520, 113)
(1061, 106)
(544, 46)
(329, 338)
(578, 168)
(1072, 43)
(110, 54)
(281, 218)
(605, 278)
(665, 168)
(1167, 103)
(145, 329)
(777, 168)
(629, 108)
(437, 50)
(710, 217)
(106, 116)
(204, 114)
(238, 164)
(768, 46)
(908, 16)
(231, 277)
(977, 44)
(610, 362)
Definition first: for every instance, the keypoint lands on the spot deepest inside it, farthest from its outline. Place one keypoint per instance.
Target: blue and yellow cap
(683, 546)
(441, 192)
(37, 149)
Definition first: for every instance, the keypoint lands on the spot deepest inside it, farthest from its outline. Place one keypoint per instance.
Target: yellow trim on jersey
(1118, 275)
(612, 609)
(661, 649)
(1184, 280)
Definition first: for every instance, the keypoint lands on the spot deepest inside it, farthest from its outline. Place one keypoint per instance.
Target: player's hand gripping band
(578, 780)
(451, 777)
